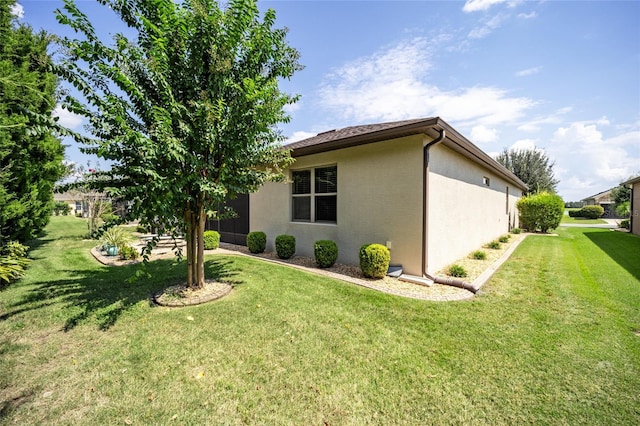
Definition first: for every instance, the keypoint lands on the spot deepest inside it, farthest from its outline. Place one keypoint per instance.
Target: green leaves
(188, 111)
(30, 155)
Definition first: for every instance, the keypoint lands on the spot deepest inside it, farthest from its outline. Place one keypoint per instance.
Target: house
(73, 199)
(417, 186)
(635, 204)
(605, 200)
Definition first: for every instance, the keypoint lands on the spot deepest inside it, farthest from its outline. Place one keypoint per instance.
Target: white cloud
(480, 5)
(536, 124)
(530, 15)
(392, 85)
(67, 118)
(298, 136)
(524, 145)
(488, 26)
(596, 162)
(528, 71)
(483, 134)
(17, 10)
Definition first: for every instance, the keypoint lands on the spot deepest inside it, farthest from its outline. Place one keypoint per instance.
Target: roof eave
(453, 140)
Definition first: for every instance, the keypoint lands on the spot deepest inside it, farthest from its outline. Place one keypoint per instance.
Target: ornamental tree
(30, 163)
(186, 113)
(532, 166)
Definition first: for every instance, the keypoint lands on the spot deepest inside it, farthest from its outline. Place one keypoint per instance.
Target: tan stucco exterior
(635, 208)
(380, 200)
(465, 210)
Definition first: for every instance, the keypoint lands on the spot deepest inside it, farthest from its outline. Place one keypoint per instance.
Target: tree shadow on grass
(623, 248)
(102, 296)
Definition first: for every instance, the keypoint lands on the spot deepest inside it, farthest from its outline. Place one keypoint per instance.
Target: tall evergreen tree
(532, 166)
(30, 162)
(186, 112)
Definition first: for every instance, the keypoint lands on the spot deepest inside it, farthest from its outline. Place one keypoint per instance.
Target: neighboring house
(635, 204)
(416, 186)
(605, 200)
(79, 202)
(74, 200)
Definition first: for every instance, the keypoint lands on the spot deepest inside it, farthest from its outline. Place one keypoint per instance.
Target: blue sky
(562, 76)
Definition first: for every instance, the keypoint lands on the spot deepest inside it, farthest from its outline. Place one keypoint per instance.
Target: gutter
(425, 165)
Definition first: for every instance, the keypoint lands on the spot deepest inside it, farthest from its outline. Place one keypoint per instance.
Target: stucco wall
(464, 213)
(379, 200)
(635, 213)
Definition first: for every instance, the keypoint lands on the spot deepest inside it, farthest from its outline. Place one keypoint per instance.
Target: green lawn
(580, 220)
(553, 339)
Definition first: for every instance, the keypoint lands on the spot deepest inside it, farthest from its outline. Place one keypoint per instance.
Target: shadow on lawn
(623, 248)
(103, 295)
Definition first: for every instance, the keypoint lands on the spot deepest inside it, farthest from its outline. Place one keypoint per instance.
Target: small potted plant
(113, 238)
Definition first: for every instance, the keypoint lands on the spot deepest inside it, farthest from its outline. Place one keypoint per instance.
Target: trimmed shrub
(142, 229)
(541, 212)
(285, 246)
(457, 271)
(326, 253)
(127, 252)
(591, 212)
(374, 260)
(479, 255)
(494, 245)
(256, 241)
(211, 240)
(504, 238)
(588, 212)
(626, 224)
(516, 231)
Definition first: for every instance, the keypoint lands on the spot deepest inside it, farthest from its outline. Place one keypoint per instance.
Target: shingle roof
(354, 131)
(369, 133)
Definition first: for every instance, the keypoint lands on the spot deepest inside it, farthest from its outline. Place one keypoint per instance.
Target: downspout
(425, 160)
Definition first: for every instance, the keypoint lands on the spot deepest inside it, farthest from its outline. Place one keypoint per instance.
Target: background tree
(532, 166)
(186, 113)
(621, 195)
(30, 163)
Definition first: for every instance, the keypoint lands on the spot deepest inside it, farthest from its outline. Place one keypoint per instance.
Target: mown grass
(580, 220)
(552, 340)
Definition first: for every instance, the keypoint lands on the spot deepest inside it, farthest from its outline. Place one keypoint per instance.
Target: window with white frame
(315, 194)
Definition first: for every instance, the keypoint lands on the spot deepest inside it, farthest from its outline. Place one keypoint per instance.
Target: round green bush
(211, 240)
(591, 212)
(374, 260)
(504, 238)
(326, 253)
(542, 211)
(516, 231)
(285, 246)
(256, 241)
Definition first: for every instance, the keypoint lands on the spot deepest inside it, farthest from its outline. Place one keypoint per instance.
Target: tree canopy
(30, 162)
(186, 113)
(532, 166)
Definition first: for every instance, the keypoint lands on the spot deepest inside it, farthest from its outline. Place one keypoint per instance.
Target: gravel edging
(172, 297)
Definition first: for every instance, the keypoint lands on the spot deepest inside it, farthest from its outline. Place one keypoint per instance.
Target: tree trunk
(200, 240)
(189, 236)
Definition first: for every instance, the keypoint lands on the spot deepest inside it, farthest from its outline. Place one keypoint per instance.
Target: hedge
(541, 212)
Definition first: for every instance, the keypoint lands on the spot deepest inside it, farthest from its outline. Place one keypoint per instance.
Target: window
(486, 181)
(314, 195)
(78, 206)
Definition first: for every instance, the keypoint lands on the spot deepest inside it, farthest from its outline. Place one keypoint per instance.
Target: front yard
(554, 339)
